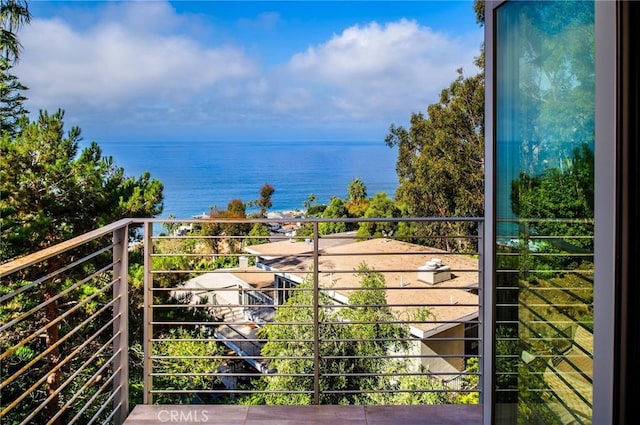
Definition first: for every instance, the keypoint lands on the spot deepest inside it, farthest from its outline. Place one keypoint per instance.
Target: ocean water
(200, 175)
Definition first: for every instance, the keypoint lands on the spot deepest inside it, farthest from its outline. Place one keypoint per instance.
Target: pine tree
(13, 14)
(11, 99)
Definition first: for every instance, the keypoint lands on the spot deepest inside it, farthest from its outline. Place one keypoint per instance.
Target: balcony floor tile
(306, 415)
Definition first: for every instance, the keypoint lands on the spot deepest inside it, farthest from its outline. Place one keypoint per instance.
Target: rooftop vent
(434, 272)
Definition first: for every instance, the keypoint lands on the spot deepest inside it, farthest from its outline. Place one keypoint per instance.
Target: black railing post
(316, 315)
(121, 324)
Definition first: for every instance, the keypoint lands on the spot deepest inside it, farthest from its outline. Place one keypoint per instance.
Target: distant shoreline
(199, 176)
(271, 215)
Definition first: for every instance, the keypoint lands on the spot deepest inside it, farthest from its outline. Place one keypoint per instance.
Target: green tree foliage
(13, 14)
(478, 8)
(357, 202)
(557, 85)
(381, 206)
(412, 389)
(366, 318)
(223, 236)
(51, 191)
(316, 210)
(259, 234)
(358, 208)
(236, 209)
(170, 226)
(264, 202)
(356, 190)
(371, 314)
(277, 334)
(177, 254)
(11, 99)
(336, 209)
(559, 193)
(188, 360)
(441, 159)
(312, 208)
(470, 382)
(312, 200)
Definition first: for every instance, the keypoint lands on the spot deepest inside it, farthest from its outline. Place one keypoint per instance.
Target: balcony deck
(303, 415)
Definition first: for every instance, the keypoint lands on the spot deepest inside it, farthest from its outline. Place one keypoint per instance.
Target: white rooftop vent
(434, 272)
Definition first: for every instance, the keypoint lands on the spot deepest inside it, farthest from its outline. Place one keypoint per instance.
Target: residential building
(418, 279)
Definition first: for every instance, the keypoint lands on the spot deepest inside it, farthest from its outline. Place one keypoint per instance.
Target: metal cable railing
(305, 318)
(222, 311)
(63, 336)
(544, 326)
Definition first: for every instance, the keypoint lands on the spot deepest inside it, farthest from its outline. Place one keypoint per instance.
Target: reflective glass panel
(544, 168)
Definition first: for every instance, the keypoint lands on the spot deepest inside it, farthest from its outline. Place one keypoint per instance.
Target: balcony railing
(203, 311)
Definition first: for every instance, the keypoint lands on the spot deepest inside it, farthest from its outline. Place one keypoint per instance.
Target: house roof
(399, 263)
(291, 246)
(224, 284)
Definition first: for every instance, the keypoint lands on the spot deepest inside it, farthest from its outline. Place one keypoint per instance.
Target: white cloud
(376, 69)
(142, 16)
(120, 61)
(137, 63)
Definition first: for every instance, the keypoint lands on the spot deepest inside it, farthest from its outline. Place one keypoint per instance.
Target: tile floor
(303, 415)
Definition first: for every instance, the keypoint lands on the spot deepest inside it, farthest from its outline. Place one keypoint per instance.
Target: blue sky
(243, 70)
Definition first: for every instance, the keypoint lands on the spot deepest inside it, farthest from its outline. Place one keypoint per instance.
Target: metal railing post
(316, 315)
(121, 323)
(147, 314)
(481, 306)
